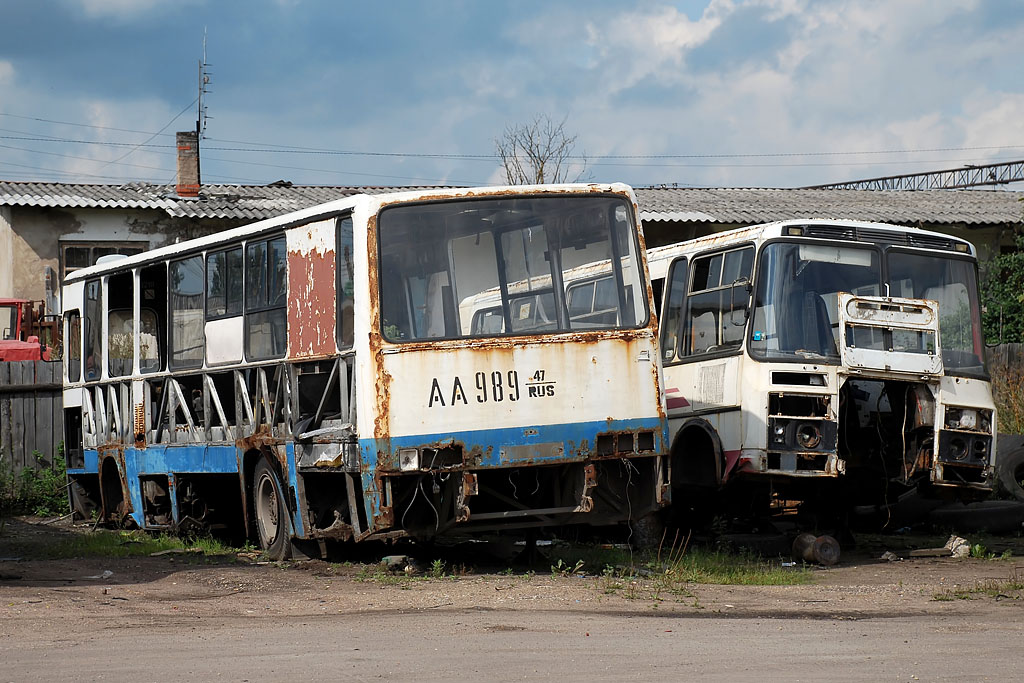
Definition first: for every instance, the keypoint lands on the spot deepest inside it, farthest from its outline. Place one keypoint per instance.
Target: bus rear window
(519, 265)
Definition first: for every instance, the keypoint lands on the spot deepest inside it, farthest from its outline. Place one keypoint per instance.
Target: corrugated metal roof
(752, 206)
(236, 202)
(726, 206)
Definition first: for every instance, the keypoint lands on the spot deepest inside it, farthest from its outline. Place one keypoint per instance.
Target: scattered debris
(401, 563)
(958, 547)
(890, 556)
(105, 575)
(955, 547)
(823, 550)
(167, 552)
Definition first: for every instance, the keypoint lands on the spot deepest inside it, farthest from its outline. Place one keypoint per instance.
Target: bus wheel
(1010, 472)
(648, 532)
(272, 524)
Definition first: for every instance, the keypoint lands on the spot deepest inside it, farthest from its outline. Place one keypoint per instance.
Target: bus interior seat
(816, 326)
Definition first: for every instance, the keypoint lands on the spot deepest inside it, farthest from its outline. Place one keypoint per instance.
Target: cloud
(116, 8)
(125, 11)
(6, 73)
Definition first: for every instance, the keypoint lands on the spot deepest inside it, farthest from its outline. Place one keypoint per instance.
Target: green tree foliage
(1002, 296)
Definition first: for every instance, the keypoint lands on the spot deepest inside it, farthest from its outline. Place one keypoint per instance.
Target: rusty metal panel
(892, 315)
(311, 297)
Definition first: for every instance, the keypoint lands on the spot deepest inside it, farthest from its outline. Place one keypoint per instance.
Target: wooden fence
(31, 413)
(1006, 354)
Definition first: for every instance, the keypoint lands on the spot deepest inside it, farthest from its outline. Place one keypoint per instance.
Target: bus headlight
(408, 459)
(808, 435)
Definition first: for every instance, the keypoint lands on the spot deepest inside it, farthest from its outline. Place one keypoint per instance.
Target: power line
(79, 125)
(296, 149)
(126, 154)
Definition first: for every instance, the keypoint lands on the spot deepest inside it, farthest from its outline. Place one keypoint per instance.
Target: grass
(104, 543)
(654, 577)
(1008, 393)
(1012, 588)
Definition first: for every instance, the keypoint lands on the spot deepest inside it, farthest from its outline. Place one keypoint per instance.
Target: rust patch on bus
(264, 441)
(311, 305)
(381, 377)
(139, 424)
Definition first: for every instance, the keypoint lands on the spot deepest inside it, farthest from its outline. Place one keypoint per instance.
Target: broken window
(120, 323)
(152, 321)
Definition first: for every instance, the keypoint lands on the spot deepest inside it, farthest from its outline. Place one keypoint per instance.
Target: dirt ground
(184, 616)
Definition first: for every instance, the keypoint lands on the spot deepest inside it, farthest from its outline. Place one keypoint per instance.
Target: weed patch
(39, 490)
(1010, 589)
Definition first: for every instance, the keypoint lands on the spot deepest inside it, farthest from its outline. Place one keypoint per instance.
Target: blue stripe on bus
(573, 436)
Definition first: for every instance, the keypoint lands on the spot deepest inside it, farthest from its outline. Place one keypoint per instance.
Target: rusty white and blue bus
(312, 377)
(806, 351)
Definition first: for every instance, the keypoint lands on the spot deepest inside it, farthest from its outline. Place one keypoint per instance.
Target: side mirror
(747, 288)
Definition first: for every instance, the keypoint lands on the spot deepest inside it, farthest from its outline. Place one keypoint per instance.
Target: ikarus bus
(807, 350)
(319, 375)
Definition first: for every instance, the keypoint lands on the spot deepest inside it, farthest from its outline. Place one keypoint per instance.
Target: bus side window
(266, 298)
(672, 310)
(93, 325)
(153, 318)
(346, 283)
(73, 344)
(737, 276)
(716, 307)
(120, 323)
(703, 306)
(186, 285)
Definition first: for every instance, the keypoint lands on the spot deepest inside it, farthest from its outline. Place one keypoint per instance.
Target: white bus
(821, 349)
(313, 376)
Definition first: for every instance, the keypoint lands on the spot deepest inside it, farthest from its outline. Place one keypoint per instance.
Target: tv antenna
(204, 81)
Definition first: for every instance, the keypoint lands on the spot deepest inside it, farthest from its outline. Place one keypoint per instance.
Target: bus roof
(323, 211)
(829, 228)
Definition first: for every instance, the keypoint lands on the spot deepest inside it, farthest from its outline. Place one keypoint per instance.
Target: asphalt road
(496, 645)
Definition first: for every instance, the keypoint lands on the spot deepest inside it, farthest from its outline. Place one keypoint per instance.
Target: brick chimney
(188, 164)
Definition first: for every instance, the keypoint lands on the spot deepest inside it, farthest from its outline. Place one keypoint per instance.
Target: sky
(726, 93)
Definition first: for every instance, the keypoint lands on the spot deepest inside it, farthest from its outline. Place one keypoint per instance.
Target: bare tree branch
(539, 152)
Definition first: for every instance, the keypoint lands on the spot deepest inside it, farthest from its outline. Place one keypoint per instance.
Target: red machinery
(23, 324)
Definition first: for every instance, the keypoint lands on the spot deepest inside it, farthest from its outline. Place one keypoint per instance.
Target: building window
(77, 255)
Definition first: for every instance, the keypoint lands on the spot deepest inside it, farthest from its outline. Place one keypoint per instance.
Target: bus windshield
(511, 265)
(953, 283)
(796, 310)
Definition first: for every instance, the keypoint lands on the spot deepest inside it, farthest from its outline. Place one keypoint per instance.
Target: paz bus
(313, 376)
(810, 350)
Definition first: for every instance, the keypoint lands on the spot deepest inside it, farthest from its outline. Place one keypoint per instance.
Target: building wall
(34, 237)
(6, 253)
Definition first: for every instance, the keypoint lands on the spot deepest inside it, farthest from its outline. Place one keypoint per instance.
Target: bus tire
(1010, 473)
(647, 532)
(273, 526)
